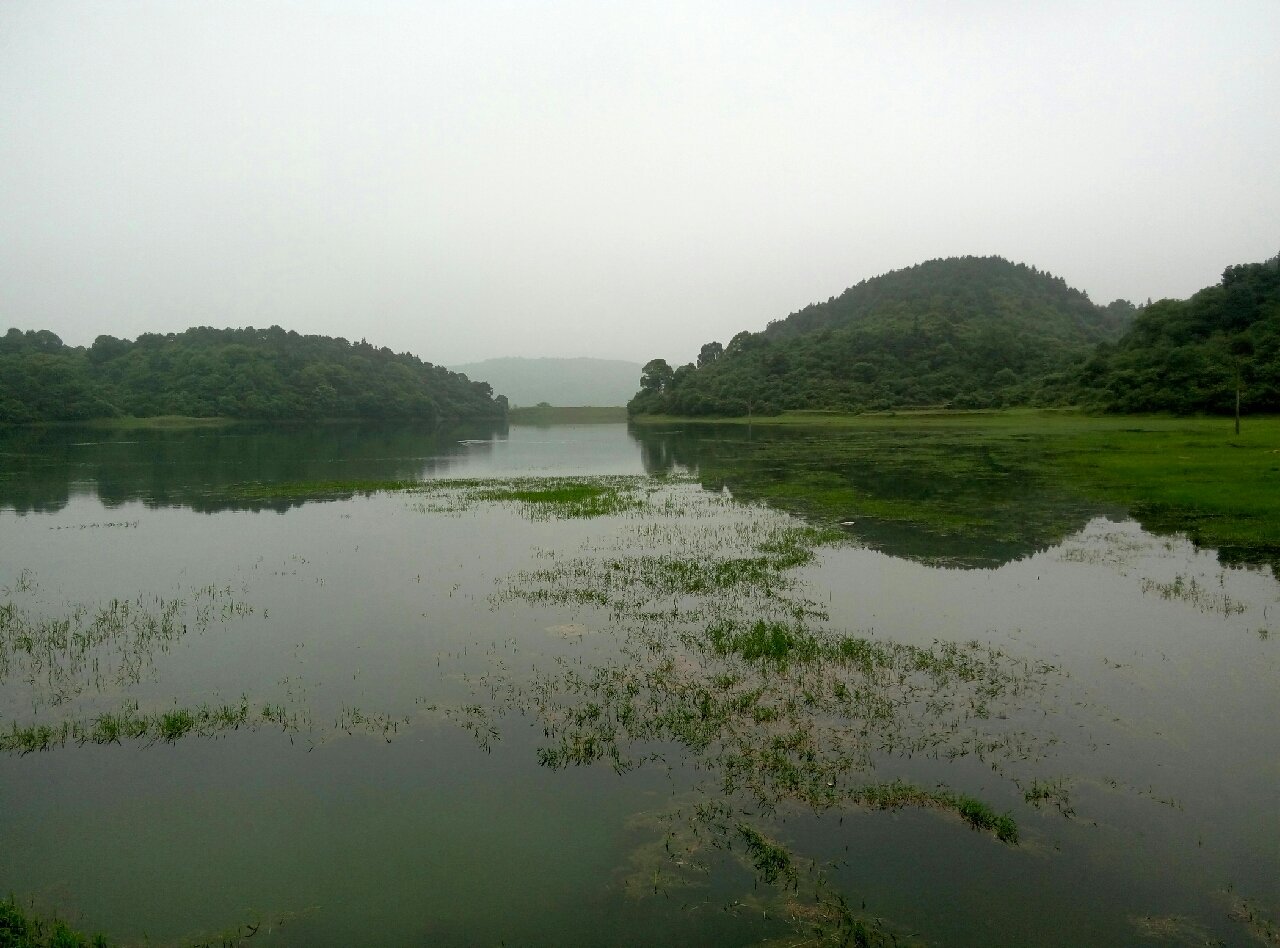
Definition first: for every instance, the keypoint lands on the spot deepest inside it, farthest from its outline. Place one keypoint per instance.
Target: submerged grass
(726, 657)
(560, 498)
(727, 664)
(63, 649)
(536, 498)
(975, 812)
(24, 926)
(682, 848)
(129, 723)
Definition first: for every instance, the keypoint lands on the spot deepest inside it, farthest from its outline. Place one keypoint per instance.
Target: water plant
(22, 927)
(130, 723)
(1191, 591)
(64, 649)
(772, 862)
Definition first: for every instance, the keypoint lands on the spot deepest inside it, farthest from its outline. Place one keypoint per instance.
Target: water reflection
(42, 469)
(920, 495)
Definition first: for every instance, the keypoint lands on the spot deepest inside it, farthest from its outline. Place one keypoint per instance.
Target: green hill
(1193, 355)
(964, 332)
(526, 382)
(234, 373)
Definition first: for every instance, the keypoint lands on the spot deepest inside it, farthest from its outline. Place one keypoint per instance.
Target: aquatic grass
(130, 723)
(23, 927)
(682, 847)
(1255, 920)
(725, 656)
(1194, 593)
(899, 794)
(538, 498)
(352, 719)
(776, 641)
(1055, 790)
(728, 664)
(772, 862)
(122, 524)
(64, 649)
(561, 498)
(980, 816)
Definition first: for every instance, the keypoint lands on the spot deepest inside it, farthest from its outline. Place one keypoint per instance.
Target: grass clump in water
(21, 927)
(129, 723)
(537, 498)
(772, 862)
(563, 498)
(776, 641)
(899, 794)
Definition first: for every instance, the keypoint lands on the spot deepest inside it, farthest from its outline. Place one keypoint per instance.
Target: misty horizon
(490, 181)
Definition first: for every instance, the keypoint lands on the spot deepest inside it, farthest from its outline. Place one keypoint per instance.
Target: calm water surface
(408, 803)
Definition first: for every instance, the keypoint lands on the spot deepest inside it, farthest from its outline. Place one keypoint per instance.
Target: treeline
(965, 332)
(233, 373)
(1193, 355)
(974, 332)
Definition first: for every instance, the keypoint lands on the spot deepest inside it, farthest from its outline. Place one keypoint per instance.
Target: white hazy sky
(472, 179)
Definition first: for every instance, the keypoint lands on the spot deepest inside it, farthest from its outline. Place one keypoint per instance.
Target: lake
(601, 685)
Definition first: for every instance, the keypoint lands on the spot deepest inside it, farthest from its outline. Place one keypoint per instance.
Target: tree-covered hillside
(235, 373)
(965, 332)
(1192, 355)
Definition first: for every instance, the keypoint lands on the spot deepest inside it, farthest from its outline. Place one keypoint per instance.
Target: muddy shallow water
(476, 713)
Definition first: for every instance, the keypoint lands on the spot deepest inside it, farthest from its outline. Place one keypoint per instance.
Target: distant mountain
(964, 332)
(558, 382)
(232, 373)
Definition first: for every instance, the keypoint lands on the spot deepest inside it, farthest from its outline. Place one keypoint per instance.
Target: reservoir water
(600, 685)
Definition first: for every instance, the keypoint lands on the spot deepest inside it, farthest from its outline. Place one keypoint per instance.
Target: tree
(656, 376)
(710, 353)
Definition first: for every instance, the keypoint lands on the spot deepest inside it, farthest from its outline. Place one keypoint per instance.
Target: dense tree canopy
(236, 373)
(1191, 355)
(964, 332)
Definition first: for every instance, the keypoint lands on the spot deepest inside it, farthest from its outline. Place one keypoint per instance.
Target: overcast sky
(467, 180)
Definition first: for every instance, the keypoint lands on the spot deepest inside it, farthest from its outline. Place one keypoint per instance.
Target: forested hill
(964, 332)
(236, 373)
(1194, 355)
(526, 382)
